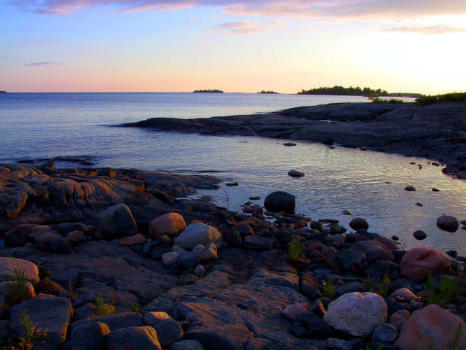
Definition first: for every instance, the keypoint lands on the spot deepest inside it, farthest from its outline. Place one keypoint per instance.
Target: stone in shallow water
(448, 223)
(280, 201)
(420, 235)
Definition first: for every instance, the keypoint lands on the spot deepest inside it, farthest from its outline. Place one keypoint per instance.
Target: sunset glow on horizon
(232, 45)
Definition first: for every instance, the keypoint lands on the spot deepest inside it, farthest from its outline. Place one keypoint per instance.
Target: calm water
(46, 125)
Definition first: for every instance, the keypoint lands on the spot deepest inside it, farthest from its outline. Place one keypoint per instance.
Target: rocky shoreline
(117, 259)
(436, 132)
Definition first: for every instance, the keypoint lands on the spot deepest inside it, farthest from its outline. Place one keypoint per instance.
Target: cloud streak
(40, 64)
(246, 27)
(434, 29)
(312, 8)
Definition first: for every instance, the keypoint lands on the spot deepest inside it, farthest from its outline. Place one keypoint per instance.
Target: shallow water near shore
(368, 184)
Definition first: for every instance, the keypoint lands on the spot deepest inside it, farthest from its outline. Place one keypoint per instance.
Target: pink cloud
(313, 8)
(434, 29)
(246, 27)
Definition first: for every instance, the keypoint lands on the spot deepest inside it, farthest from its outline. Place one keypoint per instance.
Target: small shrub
(367, 283)
(450, 97)
(328, 290)
(295, 248)
(382, 287)
(135, 307)
(103, 308)
(448, 289)
(31, 333)
(454, 344)
(17, 290)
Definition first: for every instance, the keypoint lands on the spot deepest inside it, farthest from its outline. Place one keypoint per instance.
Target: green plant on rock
(295, 248)
(447, 290)
(17, 290)
(455, 343)
(367, 283)
(31, 333)
(382, 287)
(328, 290)
(135, 307)
(103, 308)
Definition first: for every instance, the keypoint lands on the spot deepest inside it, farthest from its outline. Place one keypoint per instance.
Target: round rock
(295, 173)
(280, 201)
(357, 313)
(199, 233)
(420, 235)
(358, 224)
(448, 223)
(170, 224)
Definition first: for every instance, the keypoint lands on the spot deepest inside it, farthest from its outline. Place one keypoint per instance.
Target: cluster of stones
(255, 293)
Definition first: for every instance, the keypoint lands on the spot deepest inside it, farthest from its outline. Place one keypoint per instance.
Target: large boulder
(418, 262)
(280, 201)
(141, 338)
(170, 224)
(168, 330)
(117, 221)
(432, 325)
(90, 336)
(114, 321)
(357, 313)
(199, 233)
(448, 223)
(10, 267)
(48, 313)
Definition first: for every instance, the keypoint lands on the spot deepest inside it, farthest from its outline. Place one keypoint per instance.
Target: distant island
(2, 92)
(267, 92)
(354, 91)
(213, 91)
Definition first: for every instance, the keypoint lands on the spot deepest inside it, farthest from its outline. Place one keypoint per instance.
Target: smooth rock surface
(140, 338)
(48, 313)
(418, 262)
(170, 224)
(198, 233)
(357, 313)
(117, 220)
(9, 265)
(431, 325)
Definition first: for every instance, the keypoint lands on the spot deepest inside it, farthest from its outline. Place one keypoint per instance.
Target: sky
(232, 45)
